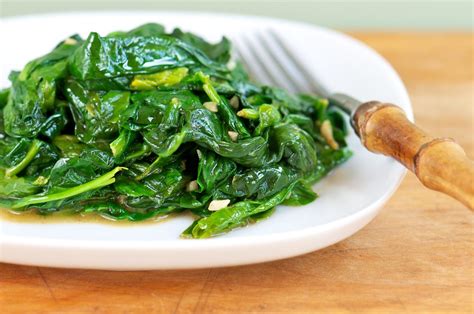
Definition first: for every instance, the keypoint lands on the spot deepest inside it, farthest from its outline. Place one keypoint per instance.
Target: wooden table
(417, 255)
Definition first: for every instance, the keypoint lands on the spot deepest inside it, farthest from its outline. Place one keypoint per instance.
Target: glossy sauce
(61, 217)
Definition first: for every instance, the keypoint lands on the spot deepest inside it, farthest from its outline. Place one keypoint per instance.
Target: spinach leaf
(149, 29)
(297, 146)
(219, 52)
(213, 170)
(13, 187)
(108, 57)
(144, 123)
(4, 97)
(236, 215)
(301, 194)
(96, 114)
(33, 92)
(259, 183)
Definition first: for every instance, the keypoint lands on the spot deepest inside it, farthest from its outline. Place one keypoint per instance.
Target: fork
(439, 163)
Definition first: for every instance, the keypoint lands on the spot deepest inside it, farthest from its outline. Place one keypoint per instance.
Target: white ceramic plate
(349, 198)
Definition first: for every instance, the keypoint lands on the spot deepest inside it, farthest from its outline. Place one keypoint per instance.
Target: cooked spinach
(144, 123)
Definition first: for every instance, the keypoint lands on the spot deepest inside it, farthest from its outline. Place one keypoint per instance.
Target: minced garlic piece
(233, 135)
(192, 186)
(326, 132)
(234, 102)
(215, 205)
(70, 41)
(211, 106)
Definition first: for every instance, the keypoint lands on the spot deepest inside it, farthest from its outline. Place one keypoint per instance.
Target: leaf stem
(248, 113)
(175, 141)
(224, 107)
(121, 143)
(99, 182)
(142, 151)
(209, 89)
(32, 151)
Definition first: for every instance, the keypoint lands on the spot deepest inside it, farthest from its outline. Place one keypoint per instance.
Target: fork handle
(440, 163)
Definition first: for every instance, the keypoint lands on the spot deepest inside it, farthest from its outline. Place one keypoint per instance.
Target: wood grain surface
(416, 256)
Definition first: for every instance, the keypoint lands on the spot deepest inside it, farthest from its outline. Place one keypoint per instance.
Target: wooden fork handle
(440, 163)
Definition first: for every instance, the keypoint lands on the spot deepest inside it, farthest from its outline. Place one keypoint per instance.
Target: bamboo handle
(440, 163)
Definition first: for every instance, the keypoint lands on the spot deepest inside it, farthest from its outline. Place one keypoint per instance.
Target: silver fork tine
(318, 87)
(255, 54)
(280, 63)
(251, 63)
(277, 68)
(241, 58)
(277, 75)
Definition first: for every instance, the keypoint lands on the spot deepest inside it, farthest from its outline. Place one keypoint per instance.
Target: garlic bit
(326, 132)
(216, 205)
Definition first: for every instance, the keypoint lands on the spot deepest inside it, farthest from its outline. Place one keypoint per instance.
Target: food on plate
(141, 124)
